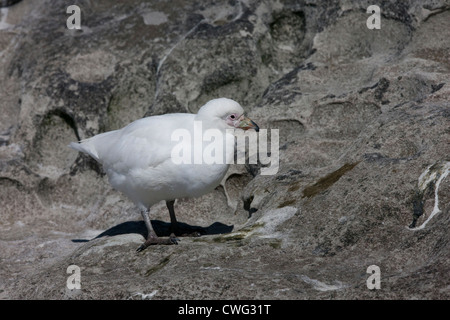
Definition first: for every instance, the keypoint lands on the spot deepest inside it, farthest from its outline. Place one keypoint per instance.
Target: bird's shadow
(161, 228)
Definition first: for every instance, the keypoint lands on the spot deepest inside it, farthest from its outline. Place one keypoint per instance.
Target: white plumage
(138, 158)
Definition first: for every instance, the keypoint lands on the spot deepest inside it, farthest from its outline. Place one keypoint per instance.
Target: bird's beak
(245, 123)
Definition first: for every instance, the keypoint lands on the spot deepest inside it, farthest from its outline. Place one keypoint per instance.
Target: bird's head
(227, 113)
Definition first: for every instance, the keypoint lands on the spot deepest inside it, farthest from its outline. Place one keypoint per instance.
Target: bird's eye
(232, 116)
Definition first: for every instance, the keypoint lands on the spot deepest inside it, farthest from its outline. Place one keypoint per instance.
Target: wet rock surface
(363, 118)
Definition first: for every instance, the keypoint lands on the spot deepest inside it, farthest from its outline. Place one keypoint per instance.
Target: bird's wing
(143, 143)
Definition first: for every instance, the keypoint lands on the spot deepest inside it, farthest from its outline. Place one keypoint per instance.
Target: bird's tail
(85, 147)
(91, 145)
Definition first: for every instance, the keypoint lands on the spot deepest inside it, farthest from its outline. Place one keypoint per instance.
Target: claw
(155, 241)
(142, 247)
(173, 238)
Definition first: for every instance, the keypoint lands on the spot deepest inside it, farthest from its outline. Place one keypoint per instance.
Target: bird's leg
(152, 238)
(174, 227)
(174, 230)
(151, 233)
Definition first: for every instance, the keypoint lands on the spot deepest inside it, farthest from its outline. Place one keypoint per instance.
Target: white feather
(137, 158)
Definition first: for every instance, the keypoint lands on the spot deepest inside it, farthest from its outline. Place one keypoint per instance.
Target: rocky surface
(364, 118)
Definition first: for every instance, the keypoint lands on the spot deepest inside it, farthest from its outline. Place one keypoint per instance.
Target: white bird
(139, 158)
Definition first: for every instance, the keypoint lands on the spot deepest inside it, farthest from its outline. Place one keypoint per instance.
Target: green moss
(286, 203)
(294, 187)
(275, 243)
(158, 267)
(223, 239)
(239, 235)
(252, 227)
(327, 181)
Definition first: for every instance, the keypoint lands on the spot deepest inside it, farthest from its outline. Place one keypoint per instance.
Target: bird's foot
(187, 232)
(173, 238)
(158, 241)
